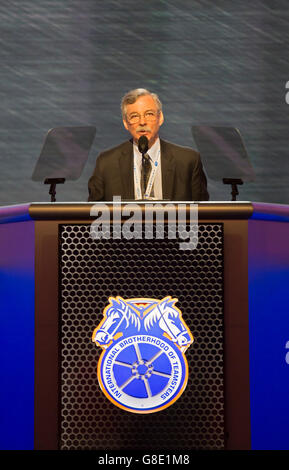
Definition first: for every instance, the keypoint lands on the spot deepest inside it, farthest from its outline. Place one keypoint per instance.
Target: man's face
(144, 107)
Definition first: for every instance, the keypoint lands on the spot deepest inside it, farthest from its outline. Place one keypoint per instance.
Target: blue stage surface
(17, 332)
(268, 283)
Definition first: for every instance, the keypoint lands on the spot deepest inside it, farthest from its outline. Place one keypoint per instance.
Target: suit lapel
(126, 171)
(168, 170)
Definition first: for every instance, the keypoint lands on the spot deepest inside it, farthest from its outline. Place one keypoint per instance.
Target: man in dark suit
(175, 173)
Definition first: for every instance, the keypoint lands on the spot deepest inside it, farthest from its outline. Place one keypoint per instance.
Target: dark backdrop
(68, 62)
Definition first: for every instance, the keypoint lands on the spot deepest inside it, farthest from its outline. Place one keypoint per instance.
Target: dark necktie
(145, 173)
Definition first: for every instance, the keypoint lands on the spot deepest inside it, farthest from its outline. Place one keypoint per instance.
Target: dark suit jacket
(183, 178)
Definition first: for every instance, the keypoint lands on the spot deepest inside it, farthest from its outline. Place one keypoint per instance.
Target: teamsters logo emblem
(142, 368)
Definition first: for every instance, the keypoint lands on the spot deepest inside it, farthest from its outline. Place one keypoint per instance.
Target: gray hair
(131, 96)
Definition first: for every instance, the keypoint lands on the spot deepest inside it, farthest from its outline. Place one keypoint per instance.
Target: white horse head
(117, 317)
(169, 319)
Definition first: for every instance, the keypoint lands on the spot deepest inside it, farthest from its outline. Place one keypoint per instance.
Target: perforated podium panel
(91, 271)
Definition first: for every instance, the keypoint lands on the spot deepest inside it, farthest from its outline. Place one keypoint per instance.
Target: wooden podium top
(82, 210)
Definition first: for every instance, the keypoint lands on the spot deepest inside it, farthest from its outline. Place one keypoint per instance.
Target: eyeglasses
(149, 116)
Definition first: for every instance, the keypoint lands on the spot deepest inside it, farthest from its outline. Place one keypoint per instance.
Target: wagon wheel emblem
(143, 368)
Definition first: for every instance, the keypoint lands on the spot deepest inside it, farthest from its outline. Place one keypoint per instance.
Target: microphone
(143, 144)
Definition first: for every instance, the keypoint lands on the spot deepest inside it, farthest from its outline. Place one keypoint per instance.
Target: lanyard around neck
(137, 183)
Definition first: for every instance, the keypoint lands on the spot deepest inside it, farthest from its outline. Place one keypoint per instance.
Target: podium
(232, 290)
